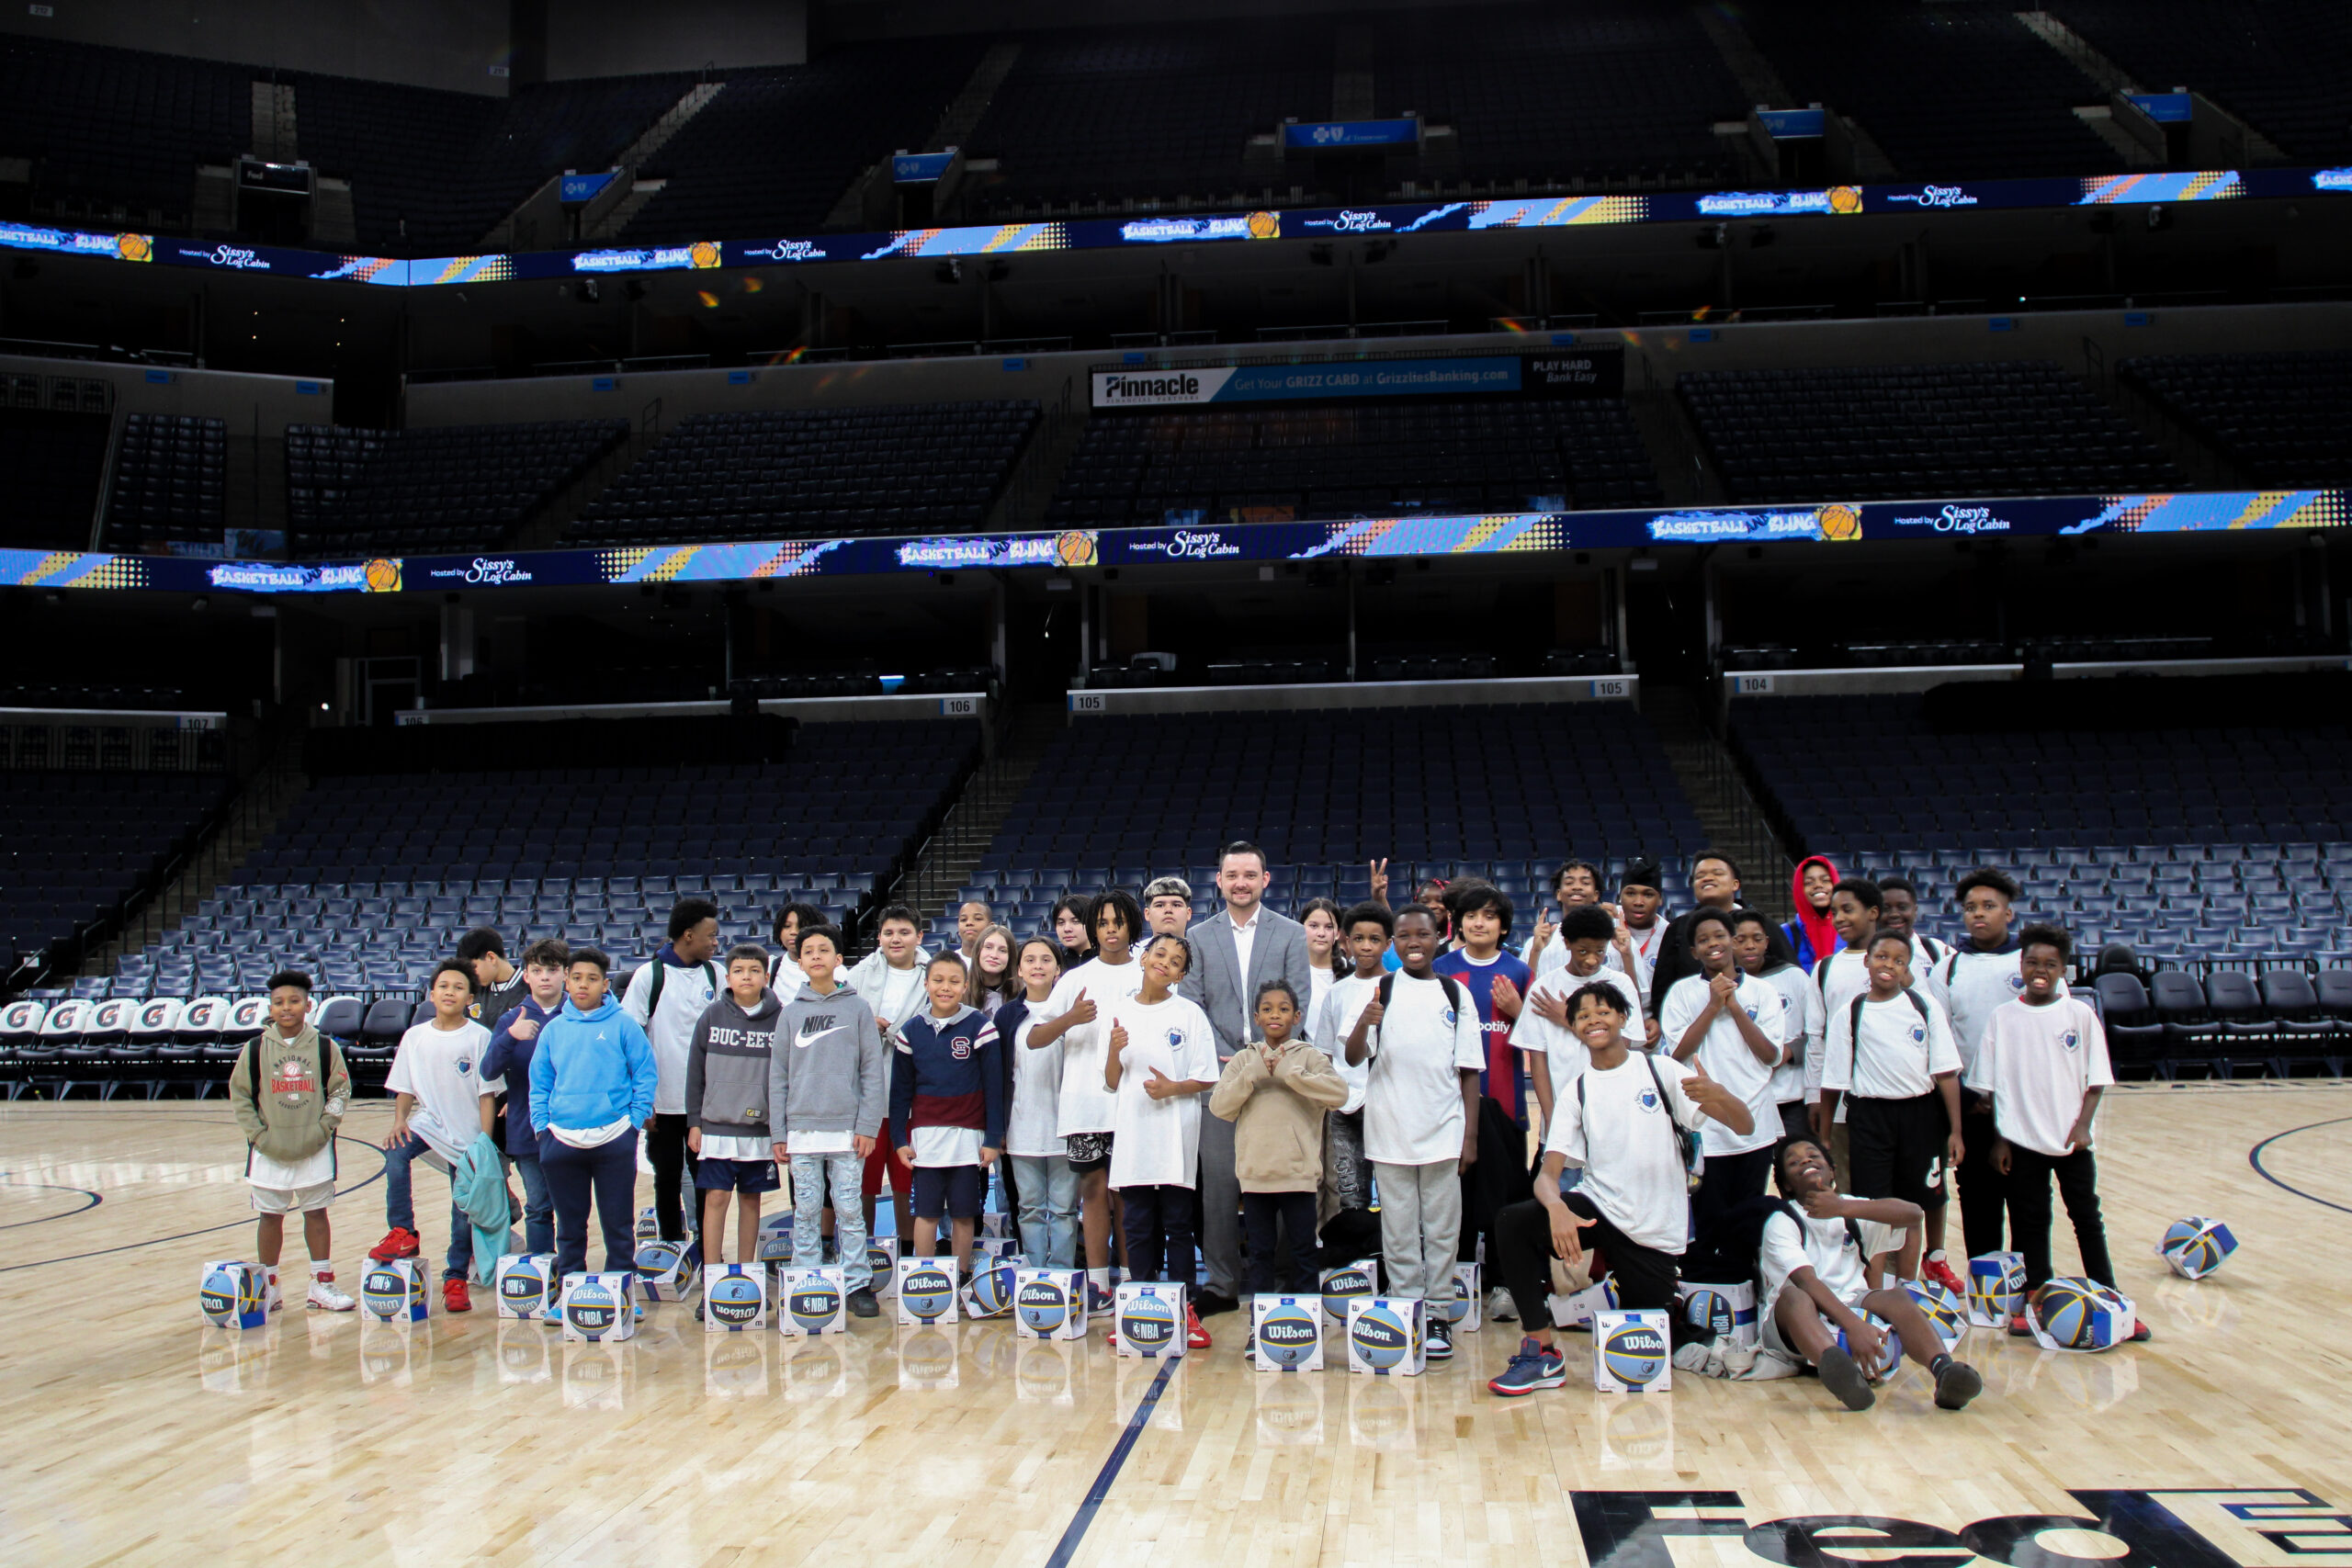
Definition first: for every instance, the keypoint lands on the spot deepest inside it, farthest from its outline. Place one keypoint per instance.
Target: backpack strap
(1854, 1014)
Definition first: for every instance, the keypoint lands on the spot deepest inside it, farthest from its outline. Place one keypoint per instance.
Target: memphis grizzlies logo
(1647, 1100)
(1918, 1034)
(464, 1067)
(2016, 982)
(1751, 1015)
(1448, 1016)
(1175, 1039)
(2072, 1040)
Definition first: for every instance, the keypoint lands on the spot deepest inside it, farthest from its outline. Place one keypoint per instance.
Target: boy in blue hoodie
(947, 1109)
(513, 1038)
(592, 1088)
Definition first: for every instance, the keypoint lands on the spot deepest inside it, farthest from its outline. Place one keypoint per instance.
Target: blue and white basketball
(734, 1300)
(992, 1291)
(2080, 1315)
(1148, 1322)
(658, 1259)
(2195, 1246)
(1289, 1335)
(217, 1297)
(882, 1261)
(1452, 1306)
(1635, 1354)
(927, 1291)
(383, 1292)
(1941, 1309)
(649, 1223)
(1043, 1305)
(1380, 1338)
(591, 1309)
(1711, 1309)
(1996, 1287)
(1343, 1285)
(812, 1302)
(1892, 1356)
(523, 1287)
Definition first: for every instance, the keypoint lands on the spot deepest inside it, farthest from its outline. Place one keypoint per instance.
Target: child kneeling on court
(947, 1109)
(592, 1088)
(288, 1089)
(826, 1099)
(1161, 1059)
(727, 1104)
(1276, 1091)
(1635, 1196)
(1816, 1276)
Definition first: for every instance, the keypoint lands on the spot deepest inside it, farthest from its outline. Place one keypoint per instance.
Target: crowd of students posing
(1371, 1078)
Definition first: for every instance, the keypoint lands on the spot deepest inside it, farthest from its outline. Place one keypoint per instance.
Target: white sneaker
(1500, 1308)
(324, 1297)
(271, 1300)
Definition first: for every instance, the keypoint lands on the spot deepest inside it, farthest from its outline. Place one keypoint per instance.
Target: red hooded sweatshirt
(1811, 934)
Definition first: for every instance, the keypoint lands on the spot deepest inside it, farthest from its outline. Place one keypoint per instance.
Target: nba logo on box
(1049, 1303)
(1148, 1320)
(734, 1298)
(1630, 1353)
(926, 1290)
(230, 1294)
(525, 1283)
(812, 1301)
(1386, 1335)
(394, 1291)
(599, 1308)
(1287, 1332)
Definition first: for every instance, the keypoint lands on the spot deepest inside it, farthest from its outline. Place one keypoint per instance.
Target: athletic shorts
(1770, 1320)
(885, 1158)
(736, 1175)
(1089, 1152)
(308, 1200)
(949, 1192)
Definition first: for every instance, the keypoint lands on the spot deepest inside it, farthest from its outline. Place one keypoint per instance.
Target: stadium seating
(54, 463)
(1897, 432)
(1437, 791)
(1959, 90)
(1356, 461)
(884, 469)
(2277, 65)
(777, 149)
(170, 481)
(93, 694)
(1096, 119)
(369, 879)
(74, 847)
(2280, 416)
(1615, 94)
(2199, 844)
(115, 131)
(441, 487)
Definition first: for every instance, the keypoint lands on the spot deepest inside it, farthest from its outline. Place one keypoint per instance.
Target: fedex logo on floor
(2283, 1527)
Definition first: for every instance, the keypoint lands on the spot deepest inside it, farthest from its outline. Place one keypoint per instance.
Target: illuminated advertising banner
(1830, 523)
(1235, 228)
(1326, 135)
(1593, 372)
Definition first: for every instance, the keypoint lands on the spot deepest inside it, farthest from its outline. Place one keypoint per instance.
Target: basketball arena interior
(491, 485)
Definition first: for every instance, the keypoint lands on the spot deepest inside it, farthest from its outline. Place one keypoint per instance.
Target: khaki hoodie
(298, 1104)
(1277, 1115)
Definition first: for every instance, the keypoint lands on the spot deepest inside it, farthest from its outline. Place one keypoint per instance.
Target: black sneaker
(1209, 1304)
(863, 1304)
(698, 1312)
(1842, 1375)
(1437, 1343)
(1957, 1385)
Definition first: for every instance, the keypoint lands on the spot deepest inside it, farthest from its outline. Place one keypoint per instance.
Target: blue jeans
(845, 1174)
(1048, 1190)
(399, 1207)
(538, 1209)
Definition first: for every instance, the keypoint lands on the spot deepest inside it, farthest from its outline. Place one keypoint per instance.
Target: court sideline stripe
(1066, 1546)
(94, 1200)
(183, 1235)
(2253, 1158)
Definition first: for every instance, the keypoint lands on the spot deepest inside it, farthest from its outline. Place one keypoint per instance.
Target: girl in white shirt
(1043, 1186)
(1325, 963)
(1161, 1058)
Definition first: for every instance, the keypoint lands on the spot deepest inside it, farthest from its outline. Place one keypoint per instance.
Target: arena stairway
(949, 860)
(1705, 770)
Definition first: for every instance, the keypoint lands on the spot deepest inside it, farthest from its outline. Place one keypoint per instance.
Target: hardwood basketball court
(136, 1434)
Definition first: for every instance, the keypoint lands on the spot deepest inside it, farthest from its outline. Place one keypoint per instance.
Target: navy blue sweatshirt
(511, 1059)
(947, 1075)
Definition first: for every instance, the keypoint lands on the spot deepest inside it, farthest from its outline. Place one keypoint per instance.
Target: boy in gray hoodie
(826, 1100)
(727, 1102)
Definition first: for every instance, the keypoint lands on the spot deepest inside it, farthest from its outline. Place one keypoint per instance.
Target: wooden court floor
(133, 1433)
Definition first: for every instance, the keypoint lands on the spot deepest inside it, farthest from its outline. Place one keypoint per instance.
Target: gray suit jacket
(1229, 997)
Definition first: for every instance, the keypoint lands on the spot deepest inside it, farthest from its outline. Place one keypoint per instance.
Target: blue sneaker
(550, 1314)
(1097, 1299)
(637, 1311)
(1534, 1367)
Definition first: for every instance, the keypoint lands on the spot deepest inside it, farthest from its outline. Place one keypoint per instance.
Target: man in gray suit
(1241, 947)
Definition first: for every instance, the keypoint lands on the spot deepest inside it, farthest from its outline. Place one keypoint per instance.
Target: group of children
(1668, 1070)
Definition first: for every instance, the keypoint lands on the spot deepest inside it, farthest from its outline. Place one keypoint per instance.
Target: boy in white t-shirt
(1817, 1272)
(1625, 1119)
(1732, 1024)
(1160, 1057)
(288, 1090)
(1073, 1015)
(2043, 1061)
(440, 1103)
(1889, 1052)
(1420, 1114)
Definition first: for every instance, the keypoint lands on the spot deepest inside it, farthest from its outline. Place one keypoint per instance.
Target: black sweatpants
(1983, 1191)
(1726, 1180)
(1158, 1221)
(673, 1167)
(1646, 1277)
(607, 1173)
(1266, 1219)
(2029, 1191)
(1892, 1143)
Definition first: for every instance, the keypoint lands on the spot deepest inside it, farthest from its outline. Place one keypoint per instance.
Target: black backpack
(1685, 1141)
(1455, 998)
(1854, 1015)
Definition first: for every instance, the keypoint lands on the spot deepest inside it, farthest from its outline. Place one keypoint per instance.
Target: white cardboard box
(734, 1298)
(926, 1290)
(1288, 1332)
(1386, 1335)
(525, 1282)
(1633, 1351)
(1049, 1303)
(1148, 1319)
(598, 1309)
(812, 1301)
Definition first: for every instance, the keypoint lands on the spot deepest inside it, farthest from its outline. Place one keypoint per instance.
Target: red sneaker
(1940, 1270)
(2140, 1333)
(399, 1242)
(1195, 1337)
(454, 1296)
(2019, 1328)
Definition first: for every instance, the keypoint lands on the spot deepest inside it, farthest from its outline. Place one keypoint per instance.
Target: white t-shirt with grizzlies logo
(442, 1068)
(2037, 1063)
(1618, 1130)
(1724, 1054)
(1157, 1143)
(1412, 1102)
